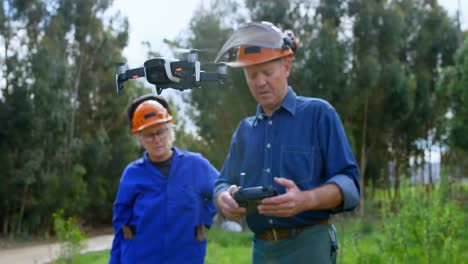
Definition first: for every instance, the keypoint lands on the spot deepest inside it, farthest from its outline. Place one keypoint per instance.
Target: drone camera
(156, 72)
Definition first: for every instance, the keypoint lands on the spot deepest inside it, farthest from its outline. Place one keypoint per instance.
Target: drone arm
(135, 73)
(128, 74)
(210, 76)
(219, 75)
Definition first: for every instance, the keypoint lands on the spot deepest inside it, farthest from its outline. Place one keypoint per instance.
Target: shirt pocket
(147, 199)
(297, 164)
(188, 196)
(185, 203)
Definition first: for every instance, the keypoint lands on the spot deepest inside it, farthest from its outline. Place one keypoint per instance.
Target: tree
(430, 42)
(21, 156)
(275, 11)
(453, 89)
(393, 72)
(57, 105)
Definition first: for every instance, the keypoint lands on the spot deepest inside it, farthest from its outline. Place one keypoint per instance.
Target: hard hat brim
(150, 124)
(252, 34)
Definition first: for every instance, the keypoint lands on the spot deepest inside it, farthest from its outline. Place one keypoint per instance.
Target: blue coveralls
(163, 212)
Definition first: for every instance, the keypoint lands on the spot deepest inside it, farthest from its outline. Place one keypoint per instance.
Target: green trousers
(314, 245)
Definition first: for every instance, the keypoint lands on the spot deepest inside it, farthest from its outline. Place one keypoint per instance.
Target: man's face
(268, 82)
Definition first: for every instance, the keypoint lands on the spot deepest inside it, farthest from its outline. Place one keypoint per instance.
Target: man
(295, 144)
(164, 202)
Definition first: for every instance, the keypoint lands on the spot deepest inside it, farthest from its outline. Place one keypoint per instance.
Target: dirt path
(47, 252)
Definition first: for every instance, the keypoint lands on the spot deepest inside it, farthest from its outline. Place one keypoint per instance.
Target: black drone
(171, 73)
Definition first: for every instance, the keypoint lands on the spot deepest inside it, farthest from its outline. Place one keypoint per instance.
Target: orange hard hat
(250, 55)
(258, 43)
(136, 102)
(149, 113)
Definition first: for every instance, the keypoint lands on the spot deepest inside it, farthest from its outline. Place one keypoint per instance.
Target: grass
(424, 227)
(358, 238)
(225, 247)
(97, 257)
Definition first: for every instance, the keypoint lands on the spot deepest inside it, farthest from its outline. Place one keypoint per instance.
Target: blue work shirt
(304, 141)
(164, 211)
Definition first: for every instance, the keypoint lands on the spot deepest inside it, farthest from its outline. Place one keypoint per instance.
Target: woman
(164, 202)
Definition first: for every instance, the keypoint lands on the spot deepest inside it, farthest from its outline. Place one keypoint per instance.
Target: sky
(154, 20)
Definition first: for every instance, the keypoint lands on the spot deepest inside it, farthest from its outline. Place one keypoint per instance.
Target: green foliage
(322, 73)
(99, 257)
(224, 247)
(71, 188)
(228, 247)
(273, 11)
(357, 237)
(69, 235)
(59, 113)
(453, 91)
(397, 233)
(424, 227)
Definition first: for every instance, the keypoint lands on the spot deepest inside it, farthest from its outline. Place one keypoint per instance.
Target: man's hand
(286, 205)
(228, 206)
(295, 201)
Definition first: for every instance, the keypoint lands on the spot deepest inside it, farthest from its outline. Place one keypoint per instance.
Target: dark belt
(284, 232)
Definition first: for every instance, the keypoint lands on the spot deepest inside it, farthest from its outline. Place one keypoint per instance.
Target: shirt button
(268, 170)
(268, 145)
(271, 221)
(270, 122)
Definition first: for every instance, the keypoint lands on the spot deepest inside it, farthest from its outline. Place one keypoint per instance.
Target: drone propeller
(182, 50)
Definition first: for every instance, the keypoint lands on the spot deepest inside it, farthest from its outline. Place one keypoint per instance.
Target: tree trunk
(23, 205)
(363, 159)
(396, 186)
(6, 222)
(429, 164)
(74, 96)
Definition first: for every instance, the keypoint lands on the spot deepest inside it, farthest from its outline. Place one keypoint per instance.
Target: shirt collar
(289, 101)
(177, 153)
(289, 104)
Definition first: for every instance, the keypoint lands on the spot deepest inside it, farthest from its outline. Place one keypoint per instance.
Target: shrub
(69, 235)
(424, 227)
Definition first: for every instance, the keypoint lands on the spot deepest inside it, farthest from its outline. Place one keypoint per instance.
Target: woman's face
(157, 141)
